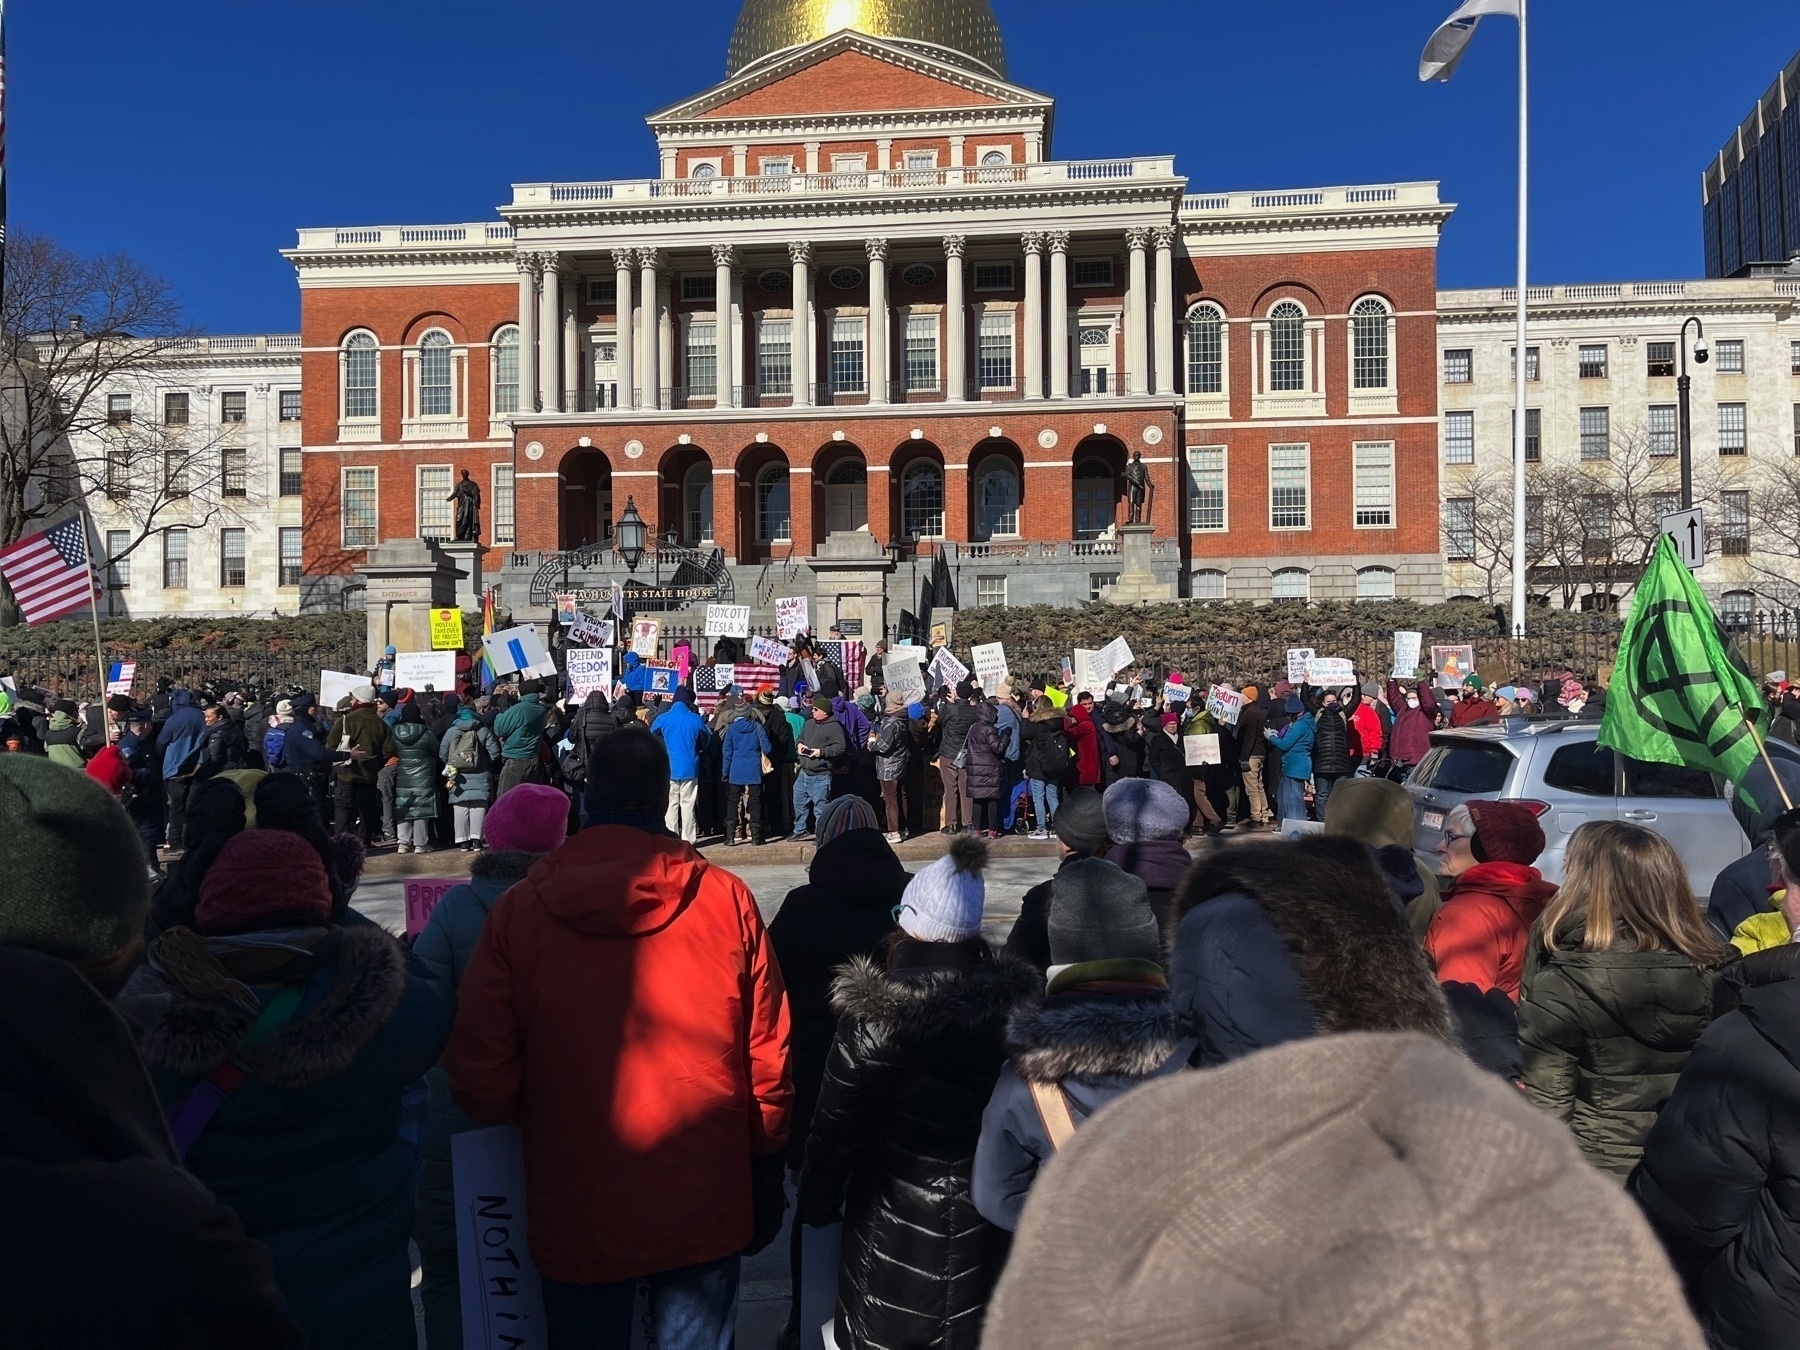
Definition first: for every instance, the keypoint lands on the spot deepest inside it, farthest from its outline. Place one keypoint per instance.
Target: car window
(1644, 779)
(1468, 767)
(1586, 767)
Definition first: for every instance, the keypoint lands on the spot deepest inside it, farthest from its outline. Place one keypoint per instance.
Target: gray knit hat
(943, 902)
(1371, 1191)
(1140, 809)
(1099, 912)
(73, 881)
(1081, 821)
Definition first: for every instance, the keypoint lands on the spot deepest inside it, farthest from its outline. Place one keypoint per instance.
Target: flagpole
(1763, 746)
(1521, 358)
(93, 596)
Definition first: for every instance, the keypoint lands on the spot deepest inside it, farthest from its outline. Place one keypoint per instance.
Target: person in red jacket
(624, 1007)
(1476, 705)
(1415, 718)
(1084, 740)
(1481, 933)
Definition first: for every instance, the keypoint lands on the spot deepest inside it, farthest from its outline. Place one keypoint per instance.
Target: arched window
(1369, 354)
(1375, 583)
(1291, 583)
(697, 504)
(362, 375)
(1095, 493)
(997, 498)
(991, 159)
(922, 500)
(1287, 348)
(437, 397)
(506, 370)
(1208, 585)
(704, 169)
(1737, 609)
(772, 513)
(1206, 350)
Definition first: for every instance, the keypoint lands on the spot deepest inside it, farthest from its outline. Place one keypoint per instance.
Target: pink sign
(422, 896)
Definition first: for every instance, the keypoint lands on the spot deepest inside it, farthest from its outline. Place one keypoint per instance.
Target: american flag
(49, 572)
(848, 653)
(711, 682)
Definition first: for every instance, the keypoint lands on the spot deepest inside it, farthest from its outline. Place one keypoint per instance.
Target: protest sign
(645, 637)
(1452, 665)
(502, 1296)
(1174, 691)
(1227, 705)
(946, 669)
(446, 630)
(728, 621)
(518, 650)
(422, 896)
(566, 609)
(1297, 659)
(1407, 647)
(790, 617)
(768, 652)
(990, 665)
(1331, 672)
(1111, 659)
(1201, 749)
(904, 675)
(592, 632)
(1081, 672)
(425, 670)
(119, 677)
(663, 679)
(589, 668)
(335, 684)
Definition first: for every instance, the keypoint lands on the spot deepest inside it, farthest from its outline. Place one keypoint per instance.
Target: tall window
(1659, 360)
(1290, 474)
(1730, 356)
(1375, 583)
(994, 360)
(1459, 529)
(1596, 433)
(775, 356)
(175, 410)
(361, 519)
(290, 472)
(1534, 527)
(233, 473)
(1591, 361)
(1531, 364)
(233, 406)
(436, 396)
(1206, 488)
(921, 353)
(503, 504)
(231, 557)
(118, 473)
(1459, 437)
(435, 516)
(118, 561)
(703, 359)
(772, 517)
(1094, 491)
(1665, 429)
(997, 498)
(1206, 350)
(1369, 343)
(697, 504)
(175, 472)
(922, 500)
(1534, 433)
(118, 410)
(1287, 348)
(1737, 609)
(362, 359)
(289, 406)
(1374, 468)
(1290, 583)
(175, 559)
(1459, 365)
(1794, 358)
(506, 370)
(289, 542)
(1733, 436)
(848, 375)
(1735, 536)
(1597, 527)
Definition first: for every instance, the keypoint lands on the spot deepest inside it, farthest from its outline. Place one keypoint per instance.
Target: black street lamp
(631, 535)
(1682, 386)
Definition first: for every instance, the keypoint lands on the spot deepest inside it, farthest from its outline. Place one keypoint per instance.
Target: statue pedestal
(1137, 584)
(467, 556)
(405, 581)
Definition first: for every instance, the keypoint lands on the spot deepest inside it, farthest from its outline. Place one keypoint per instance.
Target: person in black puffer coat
(985, 770)
(592, 722)
(1331, 749)
(1121, 744)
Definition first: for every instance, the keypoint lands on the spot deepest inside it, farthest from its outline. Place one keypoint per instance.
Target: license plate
(1433, 820)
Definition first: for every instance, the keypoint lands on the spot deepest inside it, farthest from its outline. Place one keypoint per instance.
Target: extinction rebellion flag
(1679, 695)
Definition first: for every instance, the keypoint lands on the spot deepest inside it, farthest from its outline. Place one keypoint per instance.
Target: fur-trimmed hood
(192, 1036)
(502, 864)
(1092, 1036)
(920, 1003)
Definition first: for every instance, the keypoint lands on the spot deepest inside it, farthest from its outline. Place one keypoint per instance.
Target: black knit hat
(1081, 821)
(1100, 912)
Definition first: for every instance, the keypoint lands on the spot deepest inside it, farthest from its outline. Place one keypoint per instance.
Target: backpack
(468, 754)
(274, 741)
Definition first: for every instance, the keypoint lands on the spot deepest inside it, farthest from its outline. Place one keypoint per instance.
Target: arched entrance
(585, 481)
(996, 490)
(765, 505)
(1097, 486)
(846, 488)
(685, 497)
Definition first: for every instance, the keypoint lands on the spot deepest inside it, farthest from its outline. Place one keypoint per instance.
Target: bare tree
(1487, 527)
(1775, 512)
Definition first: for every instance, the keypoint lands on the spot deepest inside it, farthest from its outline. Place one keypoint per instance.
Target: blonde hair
(1635, 892)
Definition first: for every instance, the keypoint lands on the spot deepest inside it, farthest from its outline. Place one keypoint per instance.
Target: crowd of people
(1309, 1091)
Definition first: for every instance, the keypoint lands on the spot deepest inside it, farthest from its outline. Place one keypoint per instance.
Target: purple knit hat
(531, 818)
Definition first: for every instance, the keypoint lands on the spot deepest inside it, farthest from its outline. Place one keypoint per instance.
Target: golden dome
(964, 32)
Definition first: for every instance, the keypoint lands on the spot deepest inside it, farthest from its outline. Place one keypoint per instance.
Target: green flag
(1679, 695)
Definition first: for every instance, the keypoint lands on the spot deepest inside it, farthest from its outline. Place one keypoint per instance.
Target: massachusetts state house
(862, 328)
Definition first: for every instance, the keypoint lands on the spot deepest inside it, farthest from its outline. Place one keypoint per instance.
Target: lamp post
(1682, 386)
(631, 534)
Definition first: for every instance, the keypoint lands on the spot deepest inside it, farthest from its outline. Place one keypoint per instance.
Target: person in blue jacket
(179, 745)
(742, 749)
(684, 733)
(1295, 745)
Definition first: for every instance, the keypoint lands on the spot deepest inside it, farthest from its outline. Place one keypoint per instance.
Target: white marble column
(649, 334)
(571, 345)
(669, 361)
(1034, 315)
(1137, 311)
(740, 338)
(1059, 312)
(530, 269)
(625, 334)
(549, 335)
(724, 259)
(880, 322)
(1162, 317)
(800, 253)
(956, 321)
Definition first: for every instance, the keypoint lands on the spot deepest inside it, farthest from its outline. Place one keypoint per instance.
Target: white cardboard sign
(1201, 749)
(334, 685)
(790, 617)
(990, 665)
(502, 1296)
(1227, 705)
(423, 670)
(1407, 647)
(946, 669)
(904, 675)
(1298, 657)
(1331, 672)
(592, 632)
(1111, 659)
(645, 635)
(768, 652)
(728, 621)
(590, 668)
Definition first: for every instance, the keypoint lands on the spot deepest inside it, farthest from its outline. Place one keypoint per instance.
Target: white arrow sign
(1688, 530)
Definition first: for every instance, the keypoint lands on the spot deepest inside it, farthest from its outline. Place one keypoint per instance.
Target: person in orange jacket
(1481, 933)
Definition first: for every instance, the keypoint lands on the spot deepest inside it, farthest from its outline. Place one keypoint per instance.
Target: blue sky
(198, 134)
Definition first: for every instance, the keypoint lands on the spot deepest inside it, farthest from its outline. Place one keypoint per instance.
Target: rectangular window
(1664, 504)
(1099, 581)
(775, 356)
(1591, 361)
(290, 472)
(175, 472)
(1665, 430)
(118, 473)
(1733, 433)
(231, 557)
(1597, 527)
(506, 373)
(702, 373)
(1596, 433)
(1730, 356)
(1534, 433)
(602, 290)
(773, 167)
(1459, 365)
(503, 504)
(1459, 529)
(233, 405)
(233, 475)
(921, 353)
(1797, 430)
(1734, 538)
(1794, 358)
(1374, 468)
(175, 560)
(290, 405)
(1531, 364)
(1206, 352)
(1092, 272)
(118, 562)
(990, 591)
(848, 369)
(361, 518)
(1206, 488)
(994, 359)
(118, 410)
(289, 539)
(1534, 527)
(920, 159)
(175, 410)
(1290, 474)
(436, 518)
(993, 276)
(1659, 360)
(700, 286)
(1459, 438)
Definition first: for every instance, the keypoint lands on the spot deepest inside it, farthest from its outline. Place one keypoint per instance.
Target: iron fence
(70, 670)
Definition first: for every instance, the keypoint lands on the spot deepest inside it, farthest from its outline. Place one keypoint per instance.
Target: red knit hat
(264, 879)
(1506, 832)
(109, 769)
(531, 818)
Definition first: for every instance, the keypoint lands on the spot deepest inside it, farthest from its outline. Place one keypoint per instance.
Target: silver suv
(1561, 770)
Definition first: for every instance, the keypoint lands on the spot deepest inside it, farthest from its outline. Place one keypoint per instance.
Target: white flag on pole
(1445, 50)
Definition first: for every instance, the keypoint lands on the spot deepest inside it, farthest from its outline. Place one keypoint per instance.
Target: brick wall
(851, 82)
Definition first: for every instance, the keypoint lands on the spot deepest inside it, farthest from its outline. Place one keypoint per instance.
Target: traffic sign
(1688, 530)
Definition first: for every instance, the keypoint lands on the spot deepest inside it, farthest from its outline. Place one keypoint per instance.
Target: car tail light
(1537, 808)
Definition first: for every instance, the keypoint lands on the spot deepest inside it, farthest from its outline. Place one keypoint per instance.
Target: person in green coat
(1618, 987)
(416, 786)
